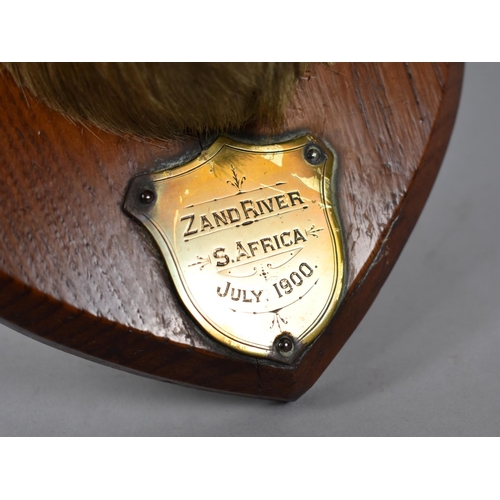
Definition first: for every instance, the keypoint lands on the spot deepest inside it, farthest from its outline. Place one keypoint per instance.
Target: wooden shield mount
(78, 274)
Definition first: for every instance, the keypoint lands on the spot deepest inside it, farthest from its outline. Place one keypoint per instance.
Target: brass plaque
(252, 241)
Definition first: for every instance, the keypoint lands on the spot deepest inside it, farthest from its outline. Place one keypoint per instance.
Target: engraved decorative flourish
(236, 181)
(271, 265)
(202, 261)
(312, 231)
(263, 272)
(276, 320)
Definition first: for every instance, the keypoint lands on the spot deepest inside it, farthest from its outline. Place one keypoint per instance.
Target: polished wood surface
(76, 273)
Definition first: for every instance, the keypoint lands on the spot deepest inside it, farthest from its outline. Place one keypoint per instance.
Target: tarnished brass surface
(252, 241)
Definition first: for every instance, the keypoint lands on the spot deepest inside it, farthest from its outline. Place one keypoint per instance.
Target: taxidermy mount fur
(162, 100)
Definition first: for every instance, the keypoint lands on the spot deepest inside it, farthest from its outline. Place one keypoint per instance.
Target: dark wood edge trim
(52, 322)
(365, 291)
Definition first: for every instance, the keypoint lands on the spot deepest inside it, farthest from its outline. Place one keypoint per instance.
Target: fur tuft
(162, 100)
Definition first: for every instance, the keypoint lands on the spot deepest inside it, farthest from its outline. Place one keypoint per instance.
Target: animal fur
(162, 100)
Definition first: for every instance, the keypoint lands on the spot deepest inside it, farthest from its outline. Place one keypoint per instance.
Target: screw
(285, 345)
(313, 154)
(147, 197)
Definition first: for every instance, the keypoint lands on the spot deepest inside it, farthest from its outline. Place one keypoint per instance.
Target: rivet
(147, 197)
(285, 344)
(313, 154)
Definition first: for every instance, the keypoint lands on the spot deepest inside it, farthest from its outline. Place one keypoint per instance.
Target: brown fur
(162, 100)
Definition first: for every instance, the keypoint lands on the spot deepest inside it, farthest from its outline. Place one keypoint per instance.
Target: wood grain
(76, 273)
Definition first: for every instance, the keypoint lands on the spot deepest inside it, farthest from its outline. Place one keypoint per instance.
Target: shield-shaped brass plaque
(252, 240)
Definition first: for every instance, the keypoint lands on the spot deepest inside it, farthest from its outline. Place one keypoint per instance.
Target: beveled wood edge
(364, 292)
(51, 320)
